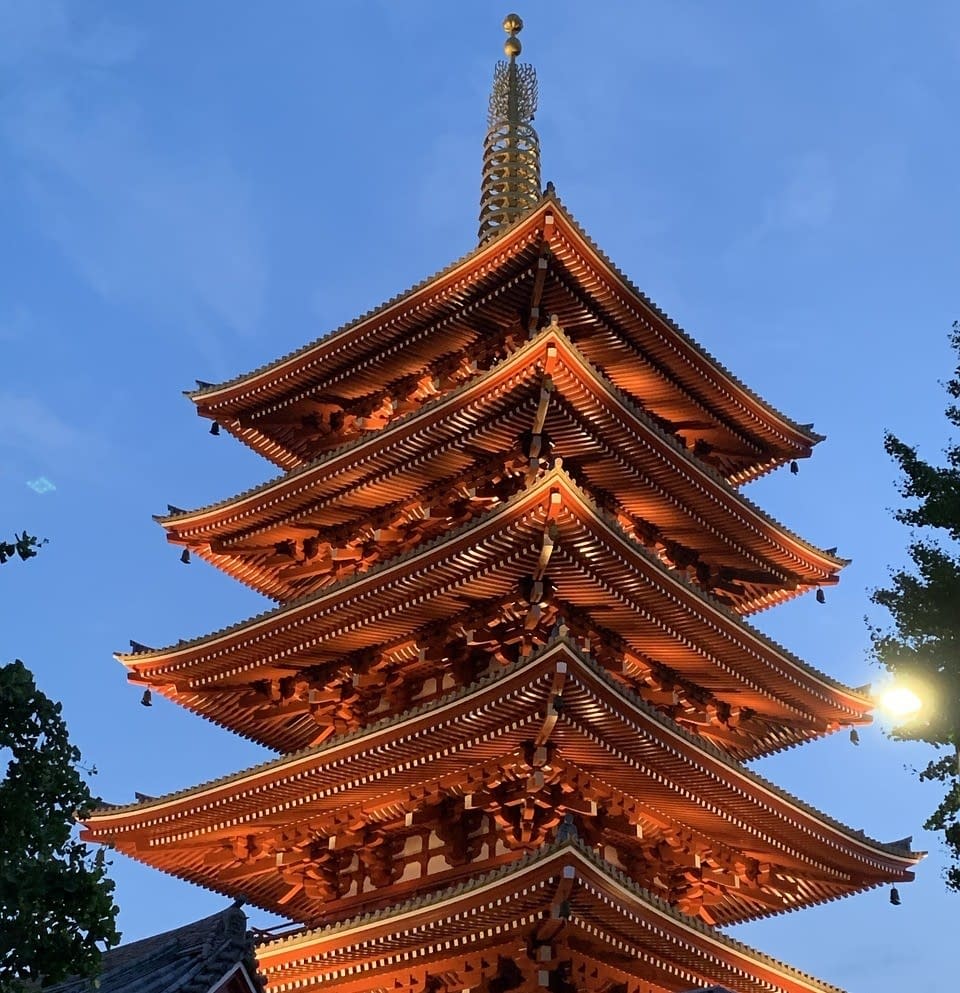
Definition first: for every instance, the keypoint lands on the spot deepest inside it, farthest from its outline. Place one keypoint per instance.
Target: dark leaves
(923, 646)
(23, 545)
(56, 902)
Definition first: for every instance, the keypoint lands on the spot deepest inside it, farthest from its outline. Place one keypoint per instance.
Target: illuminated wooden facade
(509, 671)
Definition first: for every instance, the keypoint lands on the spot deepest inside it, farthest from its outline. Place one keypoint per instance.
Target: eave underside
(458, 455)
(564, 920)
(549, 546)
(480, 779)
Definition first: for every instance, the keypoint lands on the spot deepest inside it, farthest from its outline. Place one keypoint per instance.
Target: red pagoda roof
(620, 749)
(662, 489)
(562, 910)
(661, 614)
(510, 670)
(619, 329)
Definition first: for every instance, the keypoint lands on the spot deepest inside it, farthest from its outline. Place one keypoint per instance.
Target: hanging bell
(854, 737)
(215, 428)
(147, 699)
(185, 556)
(895, 896)
(794, 468)
(821, 597)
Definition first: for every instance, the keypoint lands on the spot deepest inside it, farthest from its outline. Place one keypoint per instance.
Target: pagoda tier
(562, 920)
(481, 777)
(470, 316)
(466, 451)
(485, 594)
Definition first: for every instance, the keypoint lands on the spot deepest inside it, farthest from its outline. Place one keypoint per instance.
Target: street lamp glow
(900, 701)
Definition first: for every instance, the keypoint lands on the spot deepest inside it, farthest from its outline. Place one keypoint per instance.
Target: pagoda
(509, 671)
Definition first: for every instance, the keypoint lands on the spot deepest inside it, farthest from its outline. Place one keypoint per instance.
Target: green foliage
(56, 902)
(923, 647)
(25, 545)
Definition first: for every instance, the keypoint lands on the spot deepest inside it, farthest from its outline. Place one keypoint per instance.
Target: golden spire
(511, 151)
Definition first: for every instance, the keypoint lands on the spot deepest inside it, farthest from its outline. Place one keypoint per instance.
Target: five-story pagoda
(509, 673)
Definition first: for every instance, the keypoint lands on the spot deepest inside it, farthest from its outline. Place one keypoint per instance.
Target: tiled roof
(623, 398)
(898, 849)
(301, 939)
(189, 959)
(549, 198)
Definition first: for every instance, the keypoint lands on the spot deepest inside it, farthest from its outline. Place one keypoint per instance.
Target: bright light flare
(900, 701)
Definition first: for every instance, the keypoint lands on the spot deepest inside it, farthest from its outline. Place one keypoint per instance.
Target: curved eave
(700, 372)
(276, 495)
(782, 669)
(688, 950)
(418, 738)
(703, 367)
(247, 385)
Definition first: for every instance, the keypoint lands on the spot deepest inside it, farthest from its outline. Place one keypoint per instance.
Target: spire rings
(511, 153)
(511, 176)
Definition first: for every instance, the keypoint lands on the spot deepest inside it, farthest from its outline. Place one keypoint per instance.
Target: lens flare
(900, 701)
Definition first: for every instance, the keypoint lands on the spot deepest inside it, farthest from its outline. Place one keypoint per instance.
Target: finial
(511, 152)
(513, 25)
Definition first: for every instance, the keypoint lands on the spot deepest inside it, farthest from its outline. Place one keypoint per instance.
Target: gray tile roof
(189, 959)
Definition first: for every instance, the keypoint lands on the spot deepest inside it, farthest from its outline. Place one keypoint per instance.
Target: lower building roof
(213, 955)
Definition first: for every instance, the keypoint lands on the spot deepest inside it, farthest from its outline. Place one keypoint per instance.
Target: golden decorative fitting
(511, 152)
(513, 26)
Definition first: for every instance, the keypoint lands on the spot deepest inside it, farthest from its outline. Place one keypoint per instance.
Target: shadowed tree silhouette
(922, 649)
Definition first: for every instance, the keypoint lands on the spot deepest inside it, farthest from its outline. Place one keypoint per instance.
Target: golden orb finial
(513, 25)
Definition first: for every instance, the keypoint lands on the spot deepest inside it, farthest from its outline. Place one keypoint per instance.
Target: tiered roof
(358, 503)
(560, 916)
(658, 630)
(510, 668)
(333, 389)
(676, 812)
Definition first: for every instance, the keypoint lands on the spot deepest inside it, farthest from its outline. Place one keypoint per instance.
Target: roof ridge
(685, 336)
(341, 583)
(708, 598)
(198, 948)
(353, 443)
(490, 246)
(627, 401)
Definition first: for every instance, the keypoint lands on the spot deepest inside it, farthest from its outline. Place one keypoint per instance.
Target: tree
(56, 902)
(25, 545)
(923, 647)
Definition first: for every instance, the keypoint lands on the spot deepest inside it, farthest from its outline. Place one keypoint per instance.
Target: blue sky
(189, 190)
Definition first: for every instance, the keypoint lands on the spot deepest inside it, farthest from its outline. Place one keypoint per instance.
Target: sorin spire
(511, 151)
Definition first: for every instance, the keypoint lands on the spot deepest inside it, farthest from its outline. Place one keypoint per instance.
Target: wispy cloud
(29, 425)
(38, 439)
(146, 226)
(808, 197)
(32, 33)
(805, 201)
